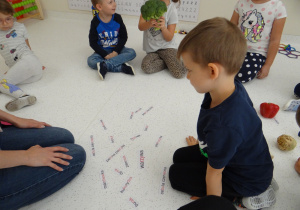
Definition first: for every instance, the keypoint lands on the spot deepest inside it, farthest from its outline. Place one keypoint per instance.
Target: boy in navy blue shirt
(108, 36)
(231, 158)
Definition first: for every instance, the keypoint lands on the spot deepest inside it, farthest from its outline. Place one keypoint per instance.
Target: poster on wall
(188, 10)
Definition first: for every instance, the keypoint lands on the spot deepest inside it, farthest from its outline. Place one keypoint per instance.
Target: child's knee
(245, 77)
(91, 63)
(132, 52)
(146, 67)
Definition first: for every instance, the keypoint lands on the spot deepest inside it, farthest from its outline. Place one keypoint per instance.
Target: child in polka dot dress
(262, 22)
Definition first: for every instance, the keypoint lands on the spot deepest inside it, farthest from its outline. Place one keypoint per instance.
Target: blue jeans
(114, 64)
(23, 185)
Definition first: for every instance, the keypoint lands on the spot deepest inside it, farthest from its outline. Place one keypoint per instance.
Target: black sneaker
(102, 70)
(127, 69)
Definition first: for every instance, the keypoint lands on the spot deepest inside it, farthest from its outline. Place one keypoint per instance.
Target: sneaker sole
(292, 105)
(98, 67)
(19, 103)
(266, 199)
(131, 68)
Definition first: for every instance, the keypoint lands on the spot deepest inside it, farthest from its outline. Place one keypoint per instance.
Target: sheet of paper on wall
(188, 10)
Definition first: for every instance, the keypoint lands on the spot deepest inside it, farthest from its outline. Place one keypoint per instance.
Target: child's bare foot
(297, 166)
(194, 198)
(191, 141)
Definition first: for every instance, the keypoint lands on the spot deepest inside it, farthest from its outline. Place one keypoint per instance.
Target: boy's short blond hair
(94, 2)
(216, 40)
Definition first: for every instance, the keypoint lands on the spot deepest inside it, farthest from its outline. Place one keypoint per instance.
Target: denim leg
(23, 185)
(93, 60)
(13, 138)
(114, 64)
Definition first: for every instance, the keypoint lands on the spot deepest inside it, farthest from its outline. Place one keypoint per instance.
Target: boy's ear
(214, 70)
(98, 7)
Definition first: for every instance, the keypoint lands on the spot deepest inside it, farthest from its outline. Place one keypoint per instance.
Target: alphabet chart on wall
(188, 10)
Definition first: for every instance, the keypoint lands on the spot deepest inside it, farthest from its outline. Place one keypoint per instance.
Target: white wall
(208, 9)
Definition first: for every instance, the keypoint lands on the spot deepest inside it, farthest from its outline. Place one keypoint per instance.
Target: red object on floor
(268, 110)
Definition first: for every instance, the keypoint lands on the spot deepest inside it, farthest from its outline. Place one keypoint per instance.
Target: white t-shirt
(256, 21)
(154, 40)
(13, 45)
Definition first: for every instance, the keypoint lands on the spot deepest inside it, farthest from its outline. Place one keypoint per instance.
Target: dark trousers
(188, 173)
(211, 202)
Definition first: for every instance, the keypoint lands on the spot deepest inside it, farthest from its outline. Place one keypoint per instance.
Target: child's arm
(145, 25)
(93, 39)
(275, 37)
(213, 181)
(123, 35)
(27, 42)
(235, 18)
(167, 32)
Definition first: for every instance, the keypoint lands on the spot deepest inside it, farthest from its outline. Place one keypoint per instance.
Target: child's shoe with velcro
(263, 200)
(292, 105)
(102, 70)
(21, 102)
(127, 69)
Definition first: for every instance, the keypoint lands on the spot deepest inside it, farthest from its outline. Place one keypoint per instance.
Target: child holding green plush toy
(158, 21)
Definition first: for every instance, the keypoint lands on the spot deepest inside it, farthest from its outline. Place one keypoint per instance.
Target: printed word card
(188, 10)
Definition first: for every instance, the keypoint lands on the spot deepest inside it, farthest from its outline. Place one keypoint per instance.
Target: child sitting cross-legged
(231, 157)
(108, 36)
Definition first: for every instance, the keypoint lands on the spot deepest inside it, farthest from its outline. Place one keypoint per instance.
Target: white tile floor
(71, 95)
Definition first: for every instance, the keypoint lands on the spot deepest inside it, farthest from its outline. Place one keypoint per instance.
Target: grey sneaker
(21, 102)
(263, 200)
(127, 69)
(292, 105)
(102, 70)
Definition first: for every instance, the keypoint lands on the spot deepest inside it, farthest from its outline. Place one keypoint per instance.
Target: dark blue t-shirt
(231, 136)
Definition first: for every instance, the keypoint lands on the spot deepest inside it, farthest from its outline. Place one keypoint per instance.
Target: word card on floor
(188, 10)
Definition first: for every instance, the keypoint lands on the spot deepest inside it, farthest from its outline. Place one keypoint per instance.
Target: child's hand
(38, 156)
(264, 72)
(161, 23)
(191, 141)
(111, 55)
